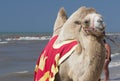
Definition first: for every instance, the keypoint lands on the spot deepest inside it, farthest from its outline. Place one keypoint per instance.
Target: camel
(85, 63)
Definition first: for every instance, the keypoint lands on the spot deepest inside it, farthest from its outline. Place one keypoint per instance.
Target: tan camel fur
(86, 62)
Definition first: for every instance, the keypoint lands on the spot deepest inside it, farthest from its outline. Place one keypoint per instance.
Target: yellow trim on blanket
(42, 61)
(54, 70)
(36, 68)
(45, 77)
(66, 55)
(62, 43)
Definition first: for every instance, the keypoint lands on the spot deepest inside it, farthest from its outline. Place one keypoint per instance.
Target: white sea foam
(29, 38)
(114, 64)
(114, 55)
(112, 33)
(21, 72)
(4, 42)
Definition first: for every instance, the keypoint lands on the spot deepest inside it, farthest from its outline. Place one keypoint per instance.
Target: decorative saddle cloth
(51, 57)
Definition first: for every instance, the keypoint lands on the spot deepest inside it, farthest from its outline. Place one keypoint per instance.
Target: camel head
(85, 20)
(92, 23)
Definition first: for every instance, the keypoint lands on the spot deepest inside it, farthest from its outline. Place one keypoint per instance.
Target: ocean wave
(3, 42)
(29, 38)
(21, 72)
(114, 55)
(17, 76)
(114, 64)
(112, 33)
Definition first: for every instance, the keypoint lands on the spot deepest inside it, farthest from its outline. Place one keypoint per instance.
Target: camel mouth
(97, 31)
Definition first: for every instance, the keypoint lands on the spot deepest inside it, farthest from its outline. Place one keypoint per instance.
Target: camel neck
(94, 53)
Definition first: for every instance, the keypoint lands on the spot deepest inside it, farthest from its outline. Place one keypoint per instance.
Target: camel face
(94, 24)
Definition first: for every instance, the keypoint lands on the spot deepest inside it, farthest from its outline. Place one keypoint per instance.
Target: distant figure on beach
(107, 60)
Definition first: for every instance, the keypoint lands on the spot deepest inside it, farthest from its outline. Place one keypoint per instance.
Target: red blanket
(51, 57)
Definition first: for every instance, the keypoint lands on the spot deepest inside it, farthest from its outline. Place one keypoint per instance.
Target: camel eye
(87, 22)
(77, 22)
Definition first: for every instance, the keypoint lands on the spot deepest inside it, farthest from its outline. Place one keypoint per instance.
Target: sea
(19, 52)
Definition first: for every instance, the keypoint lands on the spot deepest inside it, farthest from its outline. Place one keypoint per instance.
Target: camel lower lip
(89, 29)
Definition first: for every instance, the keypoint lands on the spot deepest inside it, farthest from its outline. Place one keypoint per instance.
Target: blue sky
(40, 15)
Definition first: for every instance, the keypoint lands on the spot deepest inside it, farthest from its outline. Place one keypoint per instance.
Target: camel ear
(60, 20)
